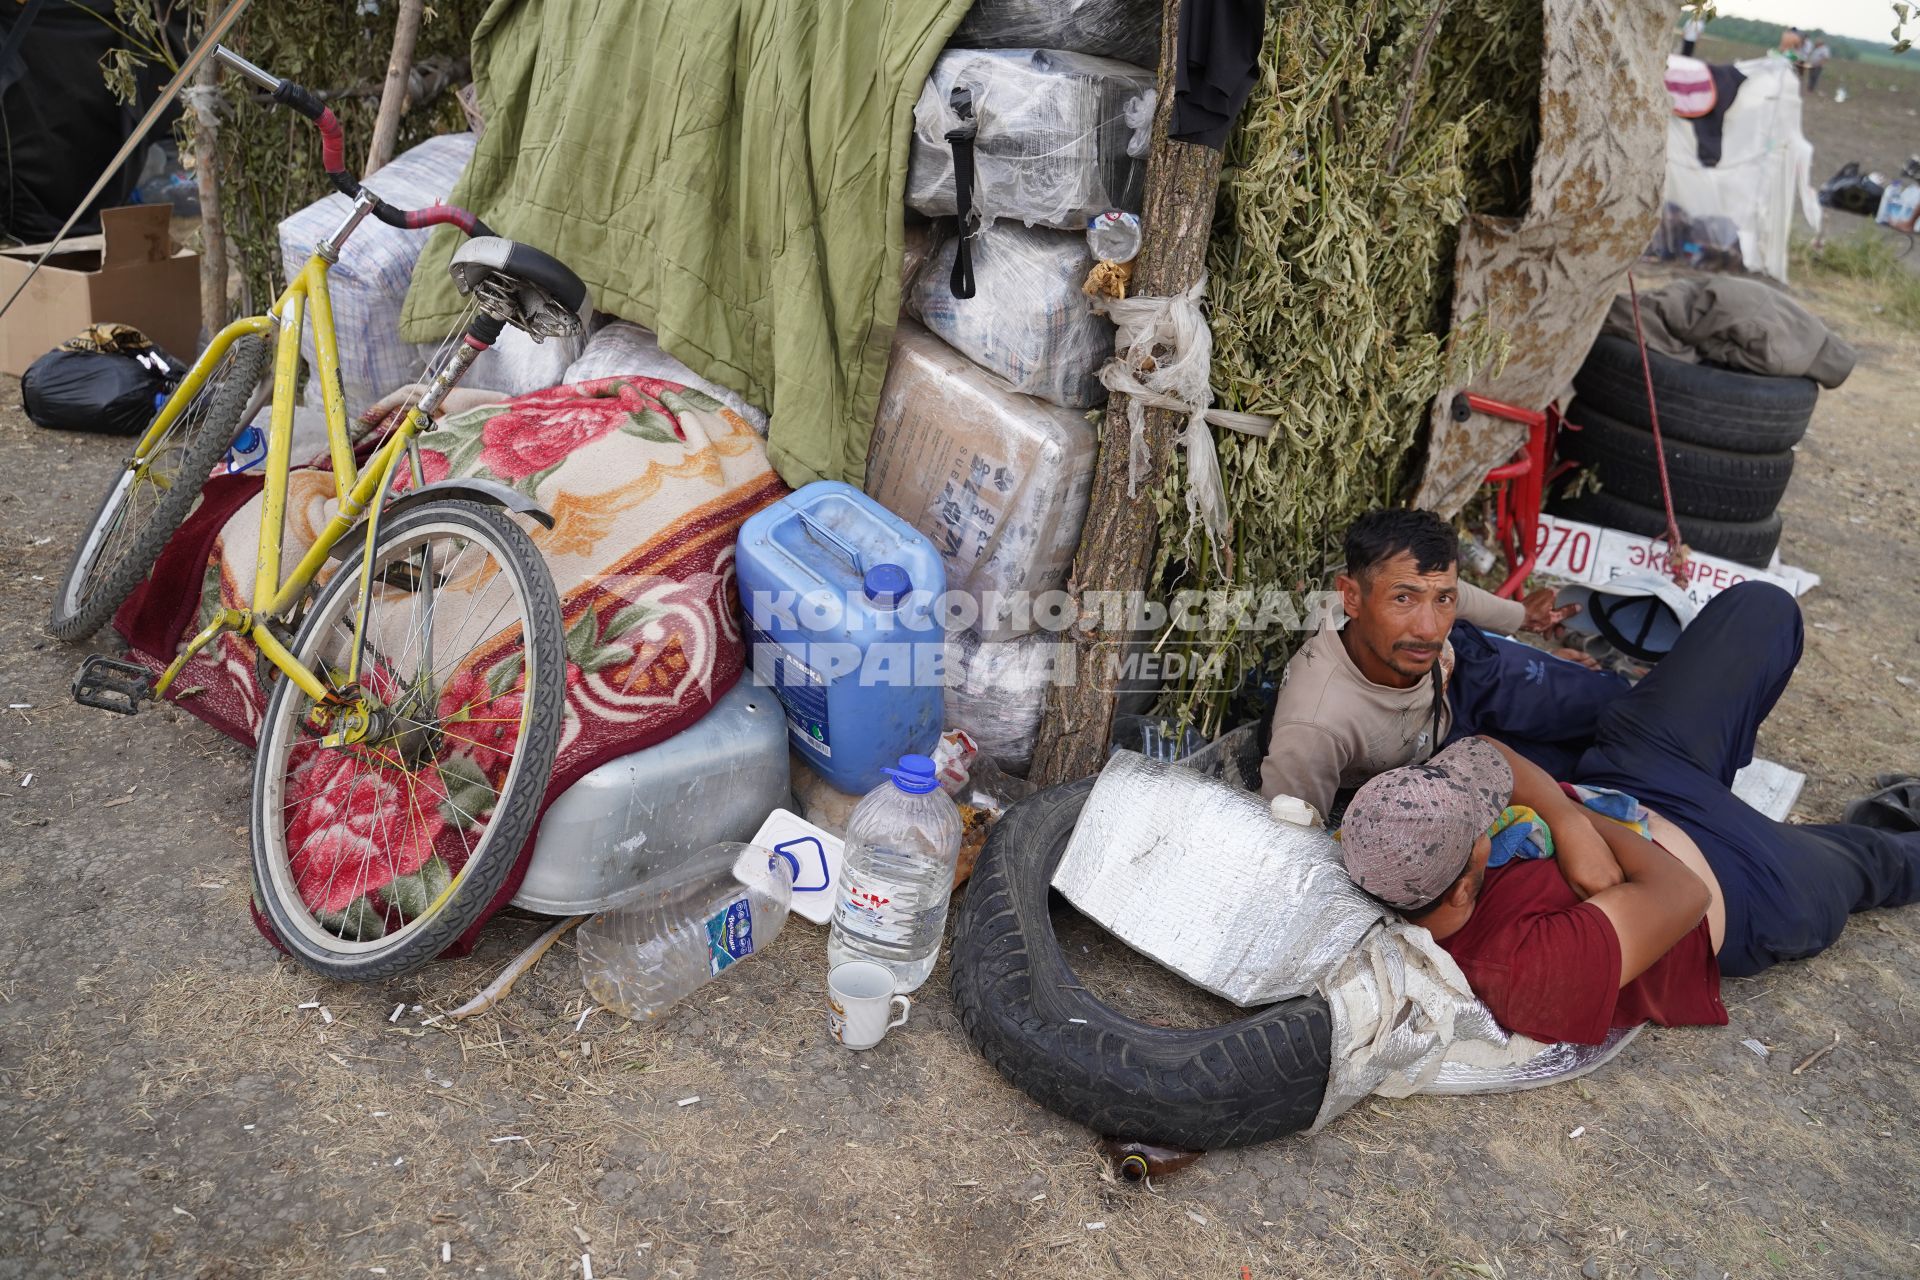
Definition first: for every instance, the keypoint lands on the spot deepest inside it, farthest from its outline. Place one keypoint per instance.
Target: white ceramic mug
(859, 997)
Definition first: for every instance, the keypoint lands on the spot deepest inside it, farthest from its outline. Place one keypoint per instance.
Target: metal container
(642, 813)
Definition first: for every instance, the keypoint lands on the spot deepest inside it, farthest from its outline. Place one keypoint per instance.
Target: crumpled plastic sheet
(997, 690)
(1061, 136)
(1406, 1021)
(998, 481)
(620, 347)
(1125, 29)
(1028, 320)
(1196, 875)
(1200, 877)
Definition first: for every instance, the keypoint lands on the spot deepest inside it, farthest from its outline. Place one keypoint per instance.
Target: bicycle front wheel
(371, 857)
(145, 504)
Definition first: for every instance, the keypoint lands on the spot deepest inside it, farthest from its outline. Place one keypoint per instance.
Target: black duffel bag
(109, 380)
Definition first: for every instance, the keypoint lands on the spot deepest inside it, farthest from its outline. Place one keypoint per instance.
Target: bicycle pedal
(108, 684)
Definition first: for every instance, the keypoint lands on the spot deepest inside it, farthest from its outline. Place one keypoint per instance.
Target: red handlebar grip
(435, 215)
(333, 142)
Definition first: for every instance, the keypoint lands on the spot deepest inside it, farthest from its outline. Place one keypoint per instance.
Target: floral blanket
(648, 483)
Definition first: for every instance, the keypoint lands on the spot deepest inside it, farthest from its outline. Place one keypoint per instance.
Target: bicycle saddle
(517, 283)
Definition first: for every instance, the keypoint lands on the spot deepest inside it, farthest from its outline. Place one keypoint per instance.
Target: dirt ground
(170, 1109)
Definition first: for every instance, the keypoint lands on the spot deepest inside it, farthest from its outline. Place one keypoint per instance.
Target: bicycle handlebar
(333, 153)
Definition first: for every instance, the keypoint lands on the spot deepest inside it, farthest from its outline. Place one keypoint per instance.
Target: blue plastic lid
(886, 585)
(915, 776)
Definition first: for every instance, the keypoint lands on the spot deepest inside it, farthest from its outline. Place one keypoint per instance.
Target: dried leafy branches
(1368, 135)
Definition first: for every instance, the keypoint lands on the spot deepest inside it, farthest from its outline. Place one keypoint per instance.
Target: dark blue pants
(1677, 740)
(1544, 707)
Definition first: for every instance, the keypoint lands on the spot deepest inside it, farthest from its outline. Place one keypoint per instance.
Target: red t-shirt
(1548, 964)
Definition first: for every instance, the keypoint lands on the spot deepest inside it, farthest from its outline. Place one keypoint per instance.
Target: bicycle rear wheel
(370, 859)
(144, 505)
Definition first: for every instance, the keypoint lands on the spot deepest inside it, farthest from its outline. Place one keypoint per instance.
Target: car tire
(1701, 404)
(1748, 542)
(1252, 1080)
(1717, 484)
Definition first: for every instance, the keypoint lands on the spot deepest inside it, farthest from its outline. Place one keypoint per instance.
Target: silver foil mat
(1195, 874)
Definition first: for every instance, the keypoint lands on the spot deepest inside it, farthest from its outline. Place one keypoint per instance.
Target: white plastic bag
(1028, 320)
(1061, 136)
(619, 347)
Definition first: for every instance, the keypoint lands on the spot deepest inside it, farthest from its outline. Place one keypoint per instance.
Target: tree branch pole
(393, 95)
(1118, 541)
(213, 227)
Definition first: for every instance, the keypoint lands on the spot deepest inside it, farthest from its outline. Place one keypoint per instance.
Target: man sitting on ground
(1412, 669)
(1618, 929)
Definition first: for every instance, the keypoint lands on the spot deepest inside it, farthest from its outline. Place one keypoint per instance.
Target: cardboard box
(128, 274)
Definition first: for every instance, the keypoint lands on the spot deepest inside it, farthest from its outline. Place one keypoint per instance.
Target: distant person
(1816, 62)
(1691, 32)
(1791, 43)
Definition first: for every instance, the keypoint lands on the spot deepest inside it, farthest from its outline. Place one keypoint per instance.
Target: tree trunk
(1118, 541)
(393, 94)
(213, 227)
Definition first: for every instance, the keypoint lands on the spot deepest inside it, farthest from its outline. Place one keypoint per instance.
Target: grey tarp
(1545, 279)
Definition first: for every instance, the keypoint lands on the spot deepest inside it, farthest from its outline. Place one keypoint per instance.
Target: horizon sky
(1861, 19)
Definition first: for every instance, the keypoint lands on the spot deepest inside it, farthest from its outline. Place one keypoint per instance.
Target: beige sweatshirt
(1334, 728)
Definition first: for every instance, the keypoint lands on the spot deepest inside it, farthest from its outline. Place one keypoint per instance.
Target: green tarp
(728, 173)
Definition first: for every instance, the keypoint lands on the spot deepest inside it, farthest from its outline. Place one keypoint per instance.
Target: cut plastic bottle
(679, 930)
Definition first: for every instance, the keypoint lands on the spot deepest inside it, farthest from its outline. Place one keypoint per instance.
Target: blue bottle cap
(915, 776)
(886, 584)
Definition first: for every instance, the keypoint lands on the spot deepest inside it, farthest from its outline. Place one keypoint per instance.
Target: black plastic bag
(98, 391)
(1852, 191)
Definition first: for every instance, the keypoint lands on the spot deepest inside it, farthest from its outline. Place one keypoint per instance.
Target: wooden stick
(393, 96)
(1817, 1054)
(1118, 540)
(213, 227)
(496, 990)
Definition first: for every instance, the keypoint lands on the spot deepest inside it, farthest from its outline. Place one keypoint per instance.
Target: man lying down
(1661, 880)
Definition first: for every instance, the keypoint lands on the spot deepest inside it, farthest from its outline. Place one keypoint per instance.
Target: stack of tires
(1729, 440)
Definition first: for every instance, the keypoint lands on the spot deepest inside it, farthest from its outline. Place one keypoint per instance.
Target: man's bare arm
(1659, 903)
(1586, 862)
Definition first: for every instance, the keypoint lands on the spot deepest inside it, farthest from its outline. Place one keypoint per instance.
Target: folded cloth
(1741, 324)
(1519, 832)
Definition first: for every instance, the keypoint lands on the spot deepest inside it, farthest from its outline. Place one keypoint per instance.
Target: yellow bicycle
(404, 751)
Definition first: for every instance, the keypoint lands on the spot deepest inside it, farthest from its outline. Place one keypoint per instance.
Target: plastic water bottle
(896, 875)
(678, 930)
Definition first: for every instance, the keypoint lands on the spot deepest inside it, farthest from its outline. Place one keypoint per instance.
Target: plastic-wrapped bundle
(1125, 29)
(369, 284)
(922, 239)
(1028, 321)
(996, 690)
(1061, 136)
(620, 347)
(998, 480)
